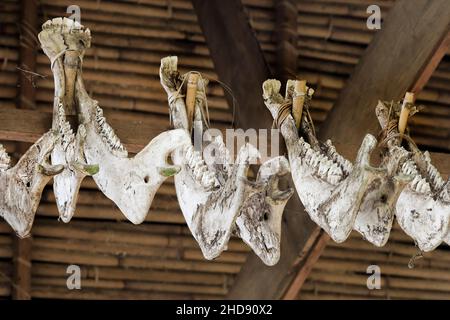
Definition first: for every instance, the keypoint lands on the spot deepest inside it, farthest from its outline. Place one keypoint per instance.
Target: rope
(391, 132)
(199, 95)
(283, 112)
(59, 54)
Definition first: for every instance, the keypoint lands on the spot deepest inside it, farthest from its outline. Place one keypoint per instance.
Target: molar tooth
(422, 185)
(323, 168)
(414, 182)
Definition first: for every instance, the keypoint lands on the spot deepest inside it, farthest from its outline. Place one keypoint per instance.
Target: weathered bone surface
(216, 198)
(131, 183)
(21, 186)
(64, 41)
(330, 188)
(259, 221)
(423, 207)
(377, 211)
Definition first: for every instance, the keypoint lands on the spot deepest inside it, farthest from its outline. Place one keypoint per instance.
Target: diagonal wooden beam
(401, 57)
(237, 57)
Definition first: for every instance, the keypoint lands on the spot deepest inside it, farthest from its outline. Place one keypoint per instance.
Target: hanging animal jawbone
(259, 220)
(21, 186)
(330, 188)
(423, 208)
(131, 183)
(211, 214)
(376, 214)
(216, 198)
(64, 42)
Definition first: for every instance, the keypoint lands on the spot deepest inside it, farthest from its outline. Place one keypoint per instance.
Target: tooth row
(199, 169)
(409, 168)
(107, 133)
(5, 160)
(325, 167)
(223, 151)
(64, 129)
(419, 184)
(346, 166)
(434, 177)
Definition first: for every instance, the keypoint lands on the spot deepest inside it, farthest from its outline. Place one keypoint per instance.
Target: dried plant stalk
(404, 114)
(298, 101)
(191, 94)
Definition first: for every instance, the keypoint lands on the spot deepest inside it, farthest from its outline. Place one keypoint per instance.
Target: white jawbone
(59, 36)
(21, 186)
(131, 183)
(218, 199)
(330, 188)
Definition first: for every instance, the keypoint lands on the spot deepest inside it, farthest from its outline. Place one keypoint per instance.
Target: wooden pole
(21, 286)
(286, 40)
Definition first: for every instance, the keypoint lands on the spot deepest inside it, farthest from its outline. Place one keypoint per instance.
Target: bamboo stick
(118, 273)
(404, 114)
(138, 262)
(52, 292)
(177, 288)
(191, 93)
(85, 283)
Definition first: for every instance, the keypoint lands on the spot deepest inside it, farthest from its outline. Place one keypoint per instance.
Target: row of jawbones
(218, 200)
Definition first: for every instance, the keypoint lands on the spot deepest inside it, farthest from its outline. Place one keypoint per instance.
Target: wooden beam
(286, 40)
(237, 57)
(396, 61)
(401, 57)
(135, 130)
(21, 286)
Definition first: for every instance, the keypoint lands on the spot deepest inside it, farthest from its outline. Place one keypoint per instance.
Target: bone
(377, 211)
(21, 186)
(259, 221)
(213, 214)
(131, 183)
(64, 42)
(421, 210)
(376, 214)
(330, 189)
